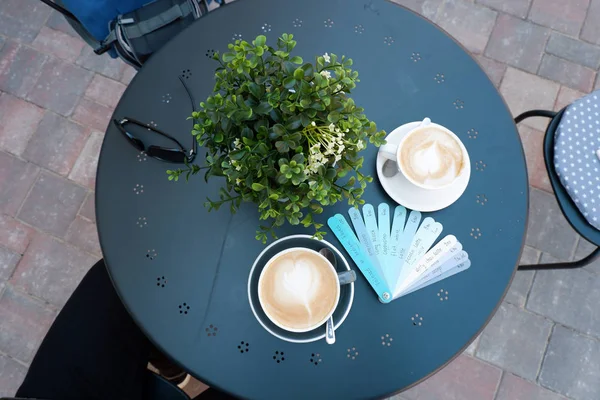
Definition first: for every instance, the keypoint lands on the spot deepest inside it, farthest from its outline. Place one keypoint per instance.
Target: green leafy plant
(283, 133)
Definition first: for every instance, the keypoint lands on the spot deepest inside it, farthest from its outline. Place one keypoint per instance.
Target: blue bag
(130, 29)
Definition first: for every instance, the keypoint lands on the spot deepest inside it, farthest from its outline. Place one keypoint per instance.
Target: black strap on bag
(136, 35)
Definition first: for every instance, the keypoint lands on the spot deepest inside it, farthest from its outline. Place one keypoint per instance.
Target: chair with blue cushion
(572, 158)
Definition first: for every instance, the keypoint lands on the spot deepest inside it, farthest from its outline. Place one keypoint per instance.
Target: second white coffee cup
(393, 152)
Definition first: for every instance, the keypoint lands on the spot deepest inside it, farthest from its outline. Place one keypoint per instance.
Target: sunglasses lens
(168, 155)
(137, 143)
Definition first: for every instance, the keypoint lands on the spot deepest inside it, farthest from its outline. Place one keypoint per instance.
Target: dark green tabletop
(166, 253)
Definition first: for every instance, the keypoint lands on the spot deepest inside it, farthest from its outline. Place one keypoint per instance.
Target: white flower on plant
(238, 168)
(237, 143)
(360, 145)
(315, 160)
(338, 87)
(332, 127)
(326, 74)
(326, 57)
(238, 181)
(338, 158)
(313, 123)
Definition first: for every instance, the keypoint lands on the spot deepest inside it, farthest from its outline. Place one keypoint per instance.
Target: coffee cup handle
(389, 151)
(346, 277)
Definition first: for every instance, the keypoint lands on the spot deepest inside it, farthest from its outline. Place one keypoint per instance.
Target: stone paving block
(584, 248)
(58, 44)
(16, 178)
(567, 73)
(88, 209)
(105, 91)
(469, 23)
(429, 8)
(51, 269)
(517, 293)
(548, 230)
(25, 322)
(572, 365)
(128, 74)
(473, 346)
(52, 204)
(20, 120)
(194, 388)
(465, 378)
(560, 15)
(494, 69)
(566, 96)
(533, 141)
(56, 144)
(22, 19)
(84, 234)
(20, 67)
(84, 170)
(14, 235)
(570, 297)
(12, 375)
(523, 92)
(397, 397)
(548, 259)
(426, 8)
(591, 28)
(515, 340)
(103, 64)
(92, 115)
(58, 22)
(574, 50)
(8, 262)
(517, 43)
(514, 388)
(60, 86)
(517, 8)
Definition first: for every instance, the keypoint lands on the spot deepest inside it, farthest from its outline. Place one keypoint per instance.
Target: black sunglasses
(174, 155)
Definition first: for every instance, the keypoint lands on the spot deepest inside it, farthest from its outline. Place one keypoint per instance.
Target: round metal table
(182, 271)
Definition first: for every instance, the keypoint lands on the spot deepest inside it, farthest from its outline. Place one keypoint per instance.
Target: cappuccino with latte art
(298, 289)
(430, 156)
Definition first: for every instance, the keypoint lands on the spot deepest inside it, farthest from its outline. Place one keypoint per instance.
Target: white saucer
(413, 197)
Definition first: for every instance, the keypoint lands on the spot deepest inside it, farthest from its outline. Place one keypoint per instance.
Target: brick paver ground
(544, 342)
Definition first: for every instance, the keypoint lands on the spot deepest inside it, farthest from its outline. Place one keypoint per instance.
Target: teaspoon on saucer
(345, 278)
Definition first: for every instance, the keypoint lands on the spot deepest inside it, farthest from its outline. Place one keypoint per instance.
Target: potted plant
(283, 133)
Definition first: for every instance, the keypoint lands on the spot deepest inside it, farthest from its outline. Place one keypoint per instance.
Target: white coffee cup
(271, 290)
(393, 152)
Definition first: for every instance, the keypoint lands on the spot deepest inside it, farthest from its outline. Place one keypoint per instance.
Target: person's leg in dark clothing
(93, 350)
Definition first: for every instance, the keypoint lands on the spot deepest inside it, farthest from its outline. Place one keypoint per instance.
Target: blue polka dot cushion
(577, 155)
